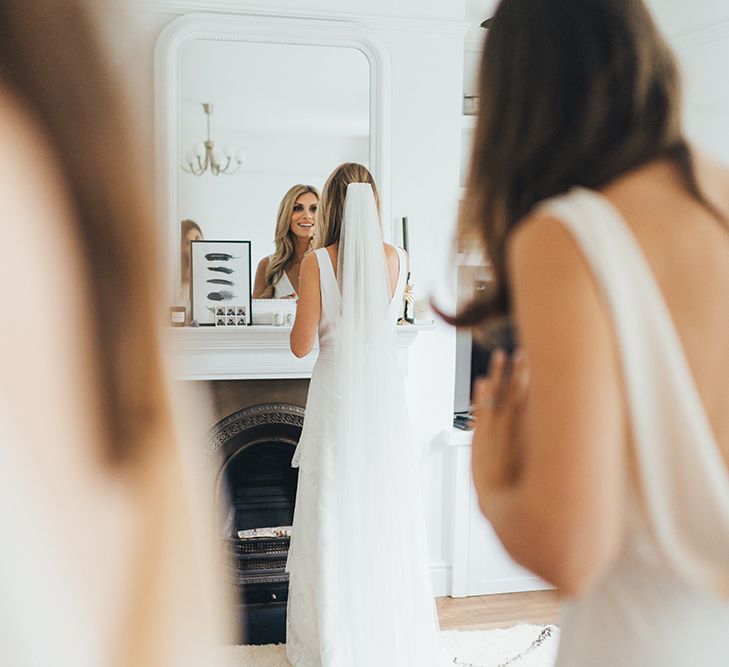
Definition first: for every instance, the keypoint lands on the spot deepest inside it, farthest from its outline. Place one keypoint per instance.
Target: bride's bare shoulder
(393, 262)
(390, 253)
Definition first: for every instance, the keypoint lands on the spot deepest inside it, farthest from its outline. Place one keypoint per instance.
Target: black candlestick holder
(408, 298)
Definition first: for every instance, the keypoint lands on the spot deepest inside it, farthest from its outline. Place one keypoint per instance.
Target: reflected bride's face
(303, 217)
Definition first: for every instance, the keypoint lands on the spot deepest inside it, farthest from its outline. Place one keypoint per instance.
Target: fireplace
(256, 489)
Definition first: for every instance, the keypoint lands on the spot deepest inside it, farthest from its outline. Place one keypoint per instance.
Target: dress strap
(330, 296)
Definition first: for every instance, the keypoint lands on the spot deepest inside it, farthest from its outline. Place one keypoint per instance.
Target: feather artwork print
(221, 295)
(221, 282)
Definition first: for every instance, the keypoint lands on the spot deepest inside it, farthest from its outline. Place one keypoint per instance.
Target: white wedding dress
(359, 593)
(665, 601)
(283, 286)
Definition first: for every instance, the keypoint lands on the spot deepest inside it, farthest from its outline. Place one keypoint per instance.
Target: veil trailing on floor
(387, 616)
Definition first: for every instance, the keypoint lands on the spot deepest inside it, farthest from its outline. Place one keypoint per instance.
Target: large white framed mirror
(295, 96)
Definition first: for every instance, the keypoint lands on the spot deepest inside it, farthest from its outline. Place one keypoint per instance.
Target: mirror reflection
(189, 231)
(277, 276)
(290, 114)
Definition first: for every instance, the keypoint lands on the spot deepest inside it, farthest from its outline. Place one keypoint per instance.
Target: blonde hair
(284, 244)
(331, 207)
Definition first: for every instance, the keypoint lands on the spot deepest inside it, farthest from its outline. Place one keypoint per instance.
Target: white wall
(478, 11)
(426, 57)
(704, 60)
(699, 34)
(678, 17)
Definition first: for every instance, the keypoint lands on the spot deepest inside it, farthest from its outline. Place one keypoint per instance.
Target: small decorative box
(231, 316)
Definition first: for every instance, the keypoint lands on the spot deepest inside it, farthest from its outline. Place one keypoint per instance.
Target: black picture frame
(221, 268)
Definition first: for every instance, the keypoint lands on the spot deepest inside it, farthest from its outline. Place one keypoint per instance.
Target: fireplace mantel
(254, 353)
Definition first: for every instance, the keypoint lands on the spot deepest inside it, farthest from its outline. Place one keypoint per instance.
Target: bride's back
(688, 251)
(391, 258)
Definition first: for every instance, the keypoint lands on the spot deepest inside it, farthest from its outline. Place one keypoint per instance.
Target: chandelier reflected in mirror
(204, 157)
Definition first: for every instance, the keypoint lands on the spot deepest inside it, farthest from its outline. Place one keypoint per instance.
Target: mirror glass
(293, 112)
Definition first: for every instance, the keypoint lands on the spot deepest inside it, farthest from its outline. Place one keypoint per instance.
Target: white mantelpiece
(253, 353)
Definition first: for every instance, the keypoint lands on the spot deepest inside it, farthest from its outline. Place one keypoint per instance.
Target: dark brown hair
(50, 59)
(572, 93)
(331, 207)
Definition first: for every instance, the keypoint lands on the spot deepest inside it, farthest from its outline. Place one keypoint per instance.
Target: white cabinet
(480, 565)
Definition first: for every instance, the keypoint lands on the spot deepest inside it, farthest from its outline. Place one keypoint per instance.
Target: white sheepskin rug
(520, 646)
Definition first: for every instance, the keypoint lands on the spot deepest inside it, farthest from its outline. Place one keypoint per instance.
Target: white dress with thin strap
(394, 560)
(665, 601)
(283, 286)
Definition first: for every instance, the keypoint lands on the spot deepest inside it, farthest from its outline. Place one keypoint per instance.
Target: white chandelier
(204, 157)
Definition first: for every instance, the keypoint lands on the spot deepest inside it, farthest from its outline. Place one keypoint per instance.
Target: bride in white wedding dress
(359, 591)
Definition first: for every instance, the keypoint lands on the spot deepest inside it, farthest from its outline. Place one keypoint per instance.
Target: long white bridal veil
(385, 612)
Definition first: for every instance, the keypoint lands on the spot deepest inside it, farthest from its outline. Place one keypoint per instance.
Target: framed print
(221, 282)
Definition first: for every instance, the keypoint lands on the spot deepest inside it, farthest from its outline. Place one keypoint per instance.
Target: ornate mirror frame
(256, 28)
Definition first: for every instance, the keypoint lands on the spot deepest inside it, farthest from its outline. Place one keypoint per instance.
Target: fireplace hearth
(256, 488)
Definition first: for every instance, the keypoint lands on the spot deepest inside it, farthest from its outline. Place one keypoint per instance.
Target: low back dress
(664, 602)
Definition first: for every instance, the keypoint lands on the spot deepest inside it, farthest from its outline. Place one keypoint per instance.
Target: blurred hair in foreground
(107, 486)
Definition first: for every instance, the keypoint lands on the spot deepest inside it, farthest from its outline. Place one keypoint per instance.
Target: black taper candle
(405, 233)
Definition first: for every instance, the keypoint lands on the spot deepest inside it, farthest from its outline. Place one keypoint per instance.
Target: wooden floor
(498, 611)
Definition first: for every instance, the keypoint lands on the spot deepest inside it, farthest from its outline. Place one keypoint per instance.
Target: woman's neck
(301, 246)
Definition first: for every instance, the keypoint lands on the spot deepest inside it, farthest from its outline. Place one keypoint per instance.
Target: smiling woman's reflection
(277, 276)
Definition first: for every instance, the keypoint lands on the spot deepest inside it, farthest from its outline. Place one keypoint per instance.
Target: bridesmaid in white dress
(277, 276)
(359, 592)
(601, 449)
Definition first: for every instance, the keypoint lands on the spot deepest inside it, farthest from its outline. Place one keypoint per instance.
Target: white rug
(520, 646)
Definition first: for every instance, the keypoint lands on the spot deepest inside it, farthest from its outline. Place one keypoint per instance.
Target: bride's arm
(308, 309)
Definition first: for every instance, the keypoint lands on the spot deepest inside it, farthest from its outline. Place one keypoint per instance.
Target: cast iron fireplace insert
(256, 488)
